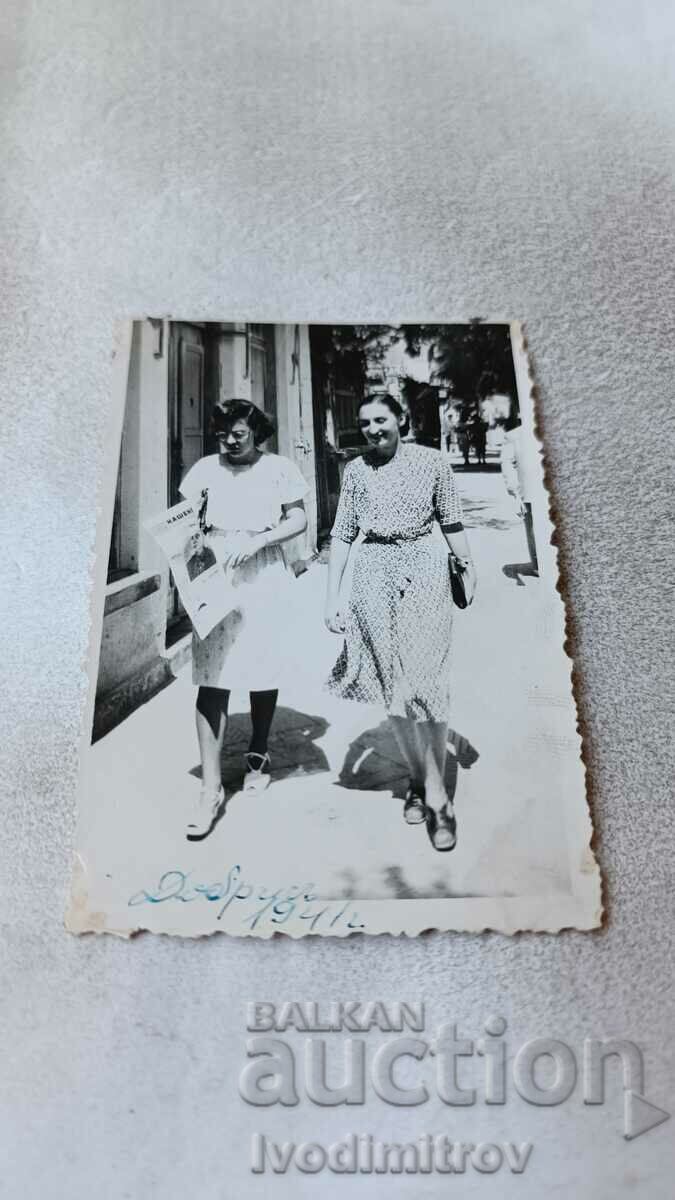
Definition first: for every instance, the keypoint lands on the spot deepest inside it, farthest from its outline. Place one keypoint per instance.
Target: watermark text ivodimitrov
(451, 1066)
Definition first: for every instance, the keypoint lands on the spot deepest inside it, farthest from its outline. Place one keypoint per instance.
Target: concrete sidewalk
(333, 815)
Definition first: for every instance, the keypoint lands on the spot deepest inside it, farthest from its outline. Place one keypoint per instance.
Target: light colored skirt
(249, 649)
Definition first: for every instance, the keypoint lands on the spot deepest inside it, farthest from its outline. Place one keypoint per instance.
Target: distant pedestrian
(398, 622)
(463, 443)
(518, 470)
(479, 439)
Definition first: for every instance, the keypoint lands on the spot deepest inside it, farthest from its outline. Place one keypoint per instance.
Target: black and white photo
(329, 688)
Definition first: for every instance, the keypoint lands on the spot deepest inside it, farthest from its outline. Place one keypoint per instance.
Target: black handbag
(457, 581)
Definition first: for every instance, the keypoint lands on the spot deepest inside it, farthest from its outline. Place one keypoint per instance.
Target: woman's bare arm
(337, 561)
(458, 543)
(293, 523)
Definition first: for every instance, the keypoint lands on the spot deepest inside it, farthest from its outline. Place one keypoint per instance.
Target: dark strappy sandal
(442, 829)
(414, 808)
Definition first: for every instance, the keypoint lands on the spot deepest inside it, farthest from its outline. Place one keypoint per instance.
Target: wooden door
(186, 419)
(263, 374)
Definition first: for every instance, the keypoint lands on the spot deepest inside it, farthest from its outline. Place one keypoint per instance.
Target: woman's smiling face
(380, 426)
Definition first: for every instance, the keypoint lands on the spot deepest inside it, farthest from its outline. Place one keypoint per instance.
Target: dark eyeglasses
(239, 436)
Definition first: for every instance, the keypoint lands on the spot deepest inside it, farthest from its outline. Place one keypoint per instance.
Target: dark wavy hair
(226, 415)
(392, 404)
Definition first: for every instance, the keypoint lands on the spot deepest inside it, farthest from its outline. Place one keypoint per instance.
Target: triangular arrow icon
(640, 1115)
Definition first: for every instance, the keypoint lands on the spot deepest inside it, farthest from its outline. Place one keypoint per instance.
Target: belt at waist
(215, 529)
(380, 539)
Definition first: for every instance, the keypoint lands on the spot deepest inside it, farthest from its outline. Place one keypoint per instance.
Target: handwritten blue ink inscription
(255, 905)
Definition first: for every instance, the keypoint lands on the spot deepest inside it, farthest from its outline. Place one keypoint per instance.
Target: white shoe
(208, 811)
(257, 779)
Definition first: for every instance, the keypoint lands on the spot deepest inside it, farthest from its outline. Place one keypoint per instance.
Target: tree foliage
(473, 360)
(353, 353)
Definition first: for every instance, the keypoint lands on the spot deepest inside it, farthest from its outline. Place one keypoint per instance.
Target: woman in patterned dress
(249, 503)
(398, 622)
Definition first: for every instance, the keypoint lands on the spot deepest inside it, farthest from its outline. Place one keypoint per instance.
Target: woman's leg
(529, 534)
(212, 704)
(257, 777)
(433, 737)
(410, 746)
(424, 745)
(263, 705)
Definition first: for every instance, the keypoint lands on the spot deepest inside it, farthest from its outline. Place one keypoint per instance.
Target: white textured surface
(386, 160)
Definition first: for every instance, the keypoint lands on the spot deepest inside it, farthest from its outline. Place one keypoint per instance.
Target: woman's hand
(459, 547)
(241, 547)
(470, 581)
(334, 618)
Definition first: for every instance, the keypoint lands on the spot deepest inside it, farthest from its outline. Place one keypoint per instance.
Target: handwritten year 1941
(256, 905)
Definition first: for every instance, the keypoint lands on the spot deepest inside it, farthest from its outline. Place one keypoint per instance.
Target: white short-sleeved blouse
(244, 650)
(248, 497)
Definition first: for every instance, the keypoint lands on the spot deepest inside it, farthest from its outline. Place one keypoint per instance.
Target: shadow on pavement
(292, 746)
(399, 887)
(474, 515)
(515, 571)
(474, 467)
(373, 762)
(437, 889)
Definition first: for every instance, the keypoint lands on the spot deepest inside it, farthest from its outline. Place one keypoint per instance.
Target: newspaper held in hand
(204, 584)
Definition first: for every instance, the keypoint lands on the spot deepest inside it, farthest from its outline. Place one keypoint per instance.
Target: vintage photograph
(328, 688)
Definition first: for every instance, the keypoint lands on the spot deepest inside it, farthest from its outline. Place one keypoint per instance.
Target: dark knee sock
(213, 703)
(263, 705)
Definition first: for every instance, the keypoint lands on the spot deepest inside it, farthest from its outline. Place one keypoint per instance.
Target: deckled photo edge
(585, 871)
(412, 917)
(77, 917)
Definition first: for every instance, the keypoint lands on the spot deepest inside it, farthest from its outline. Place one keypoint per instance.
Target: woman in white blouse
(250, 503)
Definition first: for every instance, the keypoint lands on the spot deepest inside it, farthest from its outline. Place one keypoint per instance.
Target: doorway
(187, 430)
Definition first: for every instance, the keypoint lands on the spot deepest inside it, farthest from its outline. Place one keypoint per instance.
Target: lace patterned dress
(399, 621)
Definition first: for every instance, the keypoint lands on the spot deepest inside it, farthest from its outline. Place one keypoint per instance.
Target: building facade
(172, 374)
